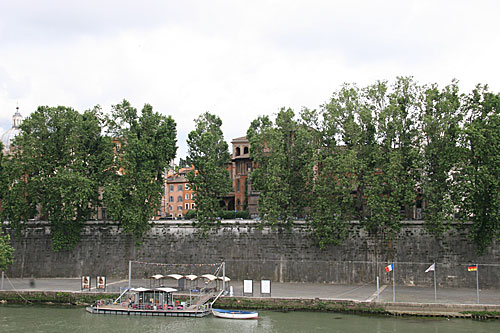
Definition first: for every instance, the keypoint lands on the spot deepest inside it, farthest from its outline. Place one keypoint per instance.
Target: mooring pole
(129, 273)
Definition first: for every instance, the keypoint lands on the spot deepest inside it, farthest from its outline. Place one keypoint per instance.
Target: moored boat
(235, 314)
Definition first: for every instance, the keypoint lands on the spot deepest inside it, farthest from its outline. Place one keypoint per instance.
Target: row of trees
(368, 154)
(67, 164)
(371, 153)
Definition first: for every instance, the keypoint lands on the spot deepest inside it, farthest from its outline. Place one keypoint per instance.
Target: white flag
(431, 268)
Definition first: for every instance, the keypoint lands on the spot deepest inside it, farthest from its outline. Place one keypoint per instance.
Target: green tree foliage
(4, 181)
(60, 162)
(145, 144)
(478, 170)
(6, 252)
(441, 121)
(210, 180)
(340, 157)
(284, 155)
(392, 189)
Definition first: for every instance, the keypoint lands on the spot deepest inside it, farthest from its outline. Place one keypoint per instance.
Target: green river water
(57, 319)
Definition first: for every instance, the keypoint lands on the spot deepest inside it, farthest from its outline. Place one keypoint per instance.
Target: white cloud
(238, 60)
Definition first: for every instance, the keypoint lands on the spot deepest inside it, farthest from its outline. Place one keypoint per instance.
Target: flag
(389, 268)
(472, 268)
(431, 268)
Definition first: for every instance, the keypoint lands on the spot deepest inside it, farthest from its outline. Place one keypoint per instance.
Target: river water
(75, 320)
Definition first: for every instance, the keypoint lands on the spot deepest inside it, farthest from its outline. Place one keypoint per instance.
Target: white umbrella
(210, 277)
(140, 289)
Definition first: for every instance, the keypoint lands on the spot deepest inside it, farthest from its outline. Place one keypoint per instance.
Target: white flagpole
(393, 283)
(435, 290)
(477, 282)
(378, 290)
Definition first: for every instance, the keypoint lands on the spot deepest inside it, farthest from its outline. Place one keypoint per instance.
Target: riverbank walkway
(359, 293)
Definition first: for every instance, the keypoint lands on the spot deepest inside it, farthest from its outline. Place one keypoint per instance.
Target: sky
(236, 59)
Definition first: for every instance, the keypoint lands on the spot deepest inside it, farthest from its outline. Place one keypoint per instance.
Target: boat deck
(119, 310)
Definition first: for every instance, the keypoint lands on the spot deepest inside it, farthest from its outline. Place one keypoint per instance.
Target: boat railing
(216, 298)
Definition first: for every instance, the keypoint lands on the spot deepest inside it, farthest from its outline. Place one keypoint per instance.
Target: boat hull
(233, 314)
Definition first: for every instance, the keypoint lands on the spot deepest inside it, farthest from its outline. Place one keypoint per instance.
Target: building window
(237, 185)
(171, 187)
(192, 206)
(237, 151)
(179, 198)
(245, 150)
(186, 206)
(192, 196)
(186, 196)
(179, 187)
(171, 199)
(179, 207)
(170, 208)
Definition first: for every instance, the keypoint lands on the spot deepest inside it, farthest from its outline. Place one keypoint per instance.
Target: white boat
(235, 314)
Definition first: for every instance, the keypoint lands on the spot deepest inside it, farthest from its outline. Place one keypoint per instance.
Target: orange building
(178, 197)
(242, 197)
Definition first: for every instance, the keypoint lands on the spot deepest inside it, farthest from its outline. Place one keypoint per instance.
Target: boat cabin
(152, 299)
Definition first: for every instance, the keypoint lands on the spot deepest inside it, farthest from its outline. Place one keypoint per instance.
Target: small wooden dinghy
(234, 314)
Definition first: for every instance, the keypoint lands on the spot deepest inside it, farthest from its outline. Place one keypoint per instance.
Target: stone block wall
(257, 253)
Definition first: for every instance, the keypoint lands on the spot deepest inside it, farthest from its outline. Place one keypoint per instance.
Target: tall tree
(144, 145)
(393, 181)
(478, 171)
(210, 180)
(333, 203)
(441, 121)
(283, 152)
(60, 164)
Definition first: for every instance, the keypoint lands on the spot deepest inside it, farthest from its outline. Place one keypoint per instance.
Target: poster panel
(101, 282)
(247, 286)
(85, 282)
(265, 287)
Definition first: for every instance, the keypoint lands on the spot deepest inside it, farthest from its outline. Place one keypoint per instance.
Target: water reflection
(54, 319)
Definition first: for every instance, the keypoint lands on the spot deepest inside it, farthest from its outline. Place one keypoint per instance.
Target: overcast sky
(236, 59)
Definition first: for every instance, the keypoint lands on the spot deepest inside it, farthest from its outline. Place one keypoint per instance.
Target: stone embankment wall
(257, 253)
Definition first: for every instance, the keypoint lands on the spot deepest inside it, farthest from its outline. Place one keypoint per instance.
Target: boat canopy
(166, 289)
(191, 277)
(175, 276)
(157, 276)
(226, 279)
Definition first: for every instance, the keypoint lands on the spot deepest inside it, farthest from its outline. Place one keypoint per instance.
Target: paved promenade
(286, 290)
